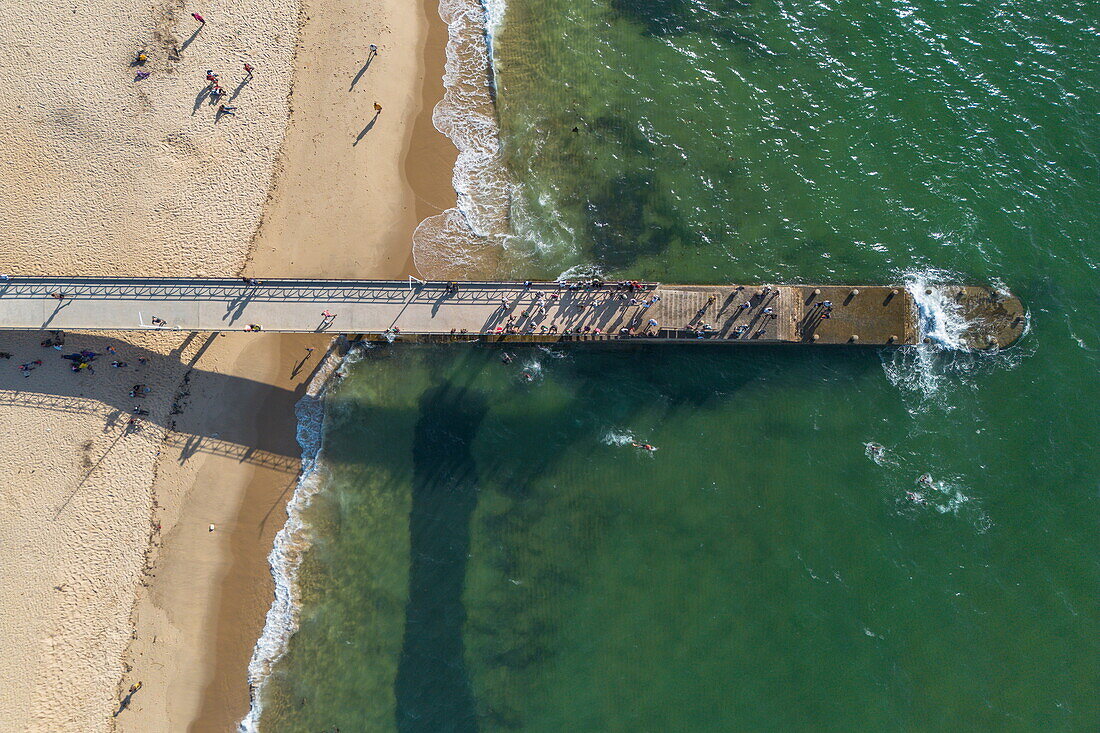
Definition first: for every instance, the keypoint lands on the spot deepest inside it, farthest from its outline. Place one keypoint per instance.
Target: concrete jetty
(870, 315)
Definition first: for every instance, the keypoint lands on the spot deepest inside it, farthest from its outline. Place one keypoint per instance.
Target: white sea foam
(581, 272)
(941, 319)
(615, 436)
(458, 240)
(931, 372)
(532, 369)
(553, 353)
(946, 496)
(876, 453)
(290, 544)
(922, 369)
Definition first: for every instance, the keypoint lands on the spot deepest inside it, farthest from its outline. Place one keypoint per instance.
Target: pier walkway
(507, 311)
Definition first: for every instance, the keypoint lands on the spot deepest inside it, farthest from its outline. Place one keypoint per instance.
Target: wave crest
(464, 240)
(290, 545)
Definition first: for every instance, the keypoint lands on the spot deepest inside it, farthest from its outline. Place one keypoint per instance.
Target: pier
(868, 315)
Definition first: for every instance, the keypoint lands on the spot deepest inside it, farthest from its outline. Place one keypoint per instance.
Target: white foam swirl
(460, 240)
(941, 319)
(290, 544)
(941, 363)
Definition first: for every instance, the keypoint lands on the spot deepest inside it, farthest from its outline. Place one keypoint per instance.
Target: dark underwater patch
(677, 17)
(628, 217)
(432, 689)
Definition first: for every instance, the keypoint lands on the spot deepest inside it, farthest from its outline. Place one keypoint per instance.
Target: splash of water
(615, 436)
(940, 318)
(924, 370)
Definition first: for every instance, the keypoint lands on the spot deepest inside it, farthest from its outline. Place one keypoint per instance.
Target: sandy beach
(112, 573)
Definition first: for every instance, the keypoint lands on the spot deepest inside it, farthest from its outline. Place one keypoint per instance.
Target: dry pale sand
(110, 575)
(102, 174)
(339, 150)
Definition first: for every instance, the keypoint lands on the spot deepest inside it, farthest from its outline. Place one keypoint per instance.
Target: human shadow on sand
(368, 128)
(362, 71)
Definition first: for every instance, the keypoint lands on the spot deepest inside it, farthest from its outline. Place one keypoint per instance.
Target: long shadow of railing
(188, 444)
(188, 428)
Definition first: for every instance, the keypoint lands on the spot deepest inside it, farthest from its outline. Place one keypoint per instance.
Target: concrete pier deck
(504, 311)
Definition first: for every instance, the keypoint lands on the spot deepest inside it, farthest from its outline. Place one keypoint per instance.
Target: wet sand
(112, 575)
(355, 222)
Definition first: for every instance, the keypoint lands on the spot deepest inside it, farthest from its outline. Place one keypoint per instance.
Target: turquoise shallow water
(492, 552)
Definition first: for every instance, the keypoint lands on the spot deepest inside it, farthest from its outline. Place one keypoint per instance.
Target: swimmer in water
(914, 497)
(925, 479)
(506, 358)
(646, 446)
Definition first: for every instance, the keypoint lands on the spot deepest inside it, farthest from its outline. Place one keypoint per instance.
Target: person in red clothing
(199, 18)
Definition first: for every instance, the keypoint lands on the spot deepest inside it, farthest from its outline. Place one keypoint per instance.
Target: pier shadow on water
(432, 689)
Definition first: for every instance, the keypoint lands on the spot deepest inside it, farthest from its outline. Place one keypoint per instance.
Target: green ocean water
(491, 552)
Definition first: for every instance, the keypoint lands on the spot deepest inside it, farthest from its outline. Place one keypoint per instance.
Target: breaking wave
(940, 319)
(941, 363)
(464, 239)
(291, 542)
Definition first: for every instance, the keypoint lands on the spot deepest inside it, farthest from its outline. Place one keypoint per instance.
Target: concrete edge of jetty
(875, 315)
(533, 311)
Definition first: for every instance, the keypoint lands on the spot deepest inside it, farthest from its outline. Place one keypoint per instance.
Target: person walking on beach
(199, 18)
(248, 68)
(373, 50)
(377, 109)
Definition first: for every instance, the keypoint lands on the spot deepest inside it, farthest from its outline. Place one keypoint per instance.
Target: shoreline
(239, 587)
(434, 194)
(114, 577)
(189, 635)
